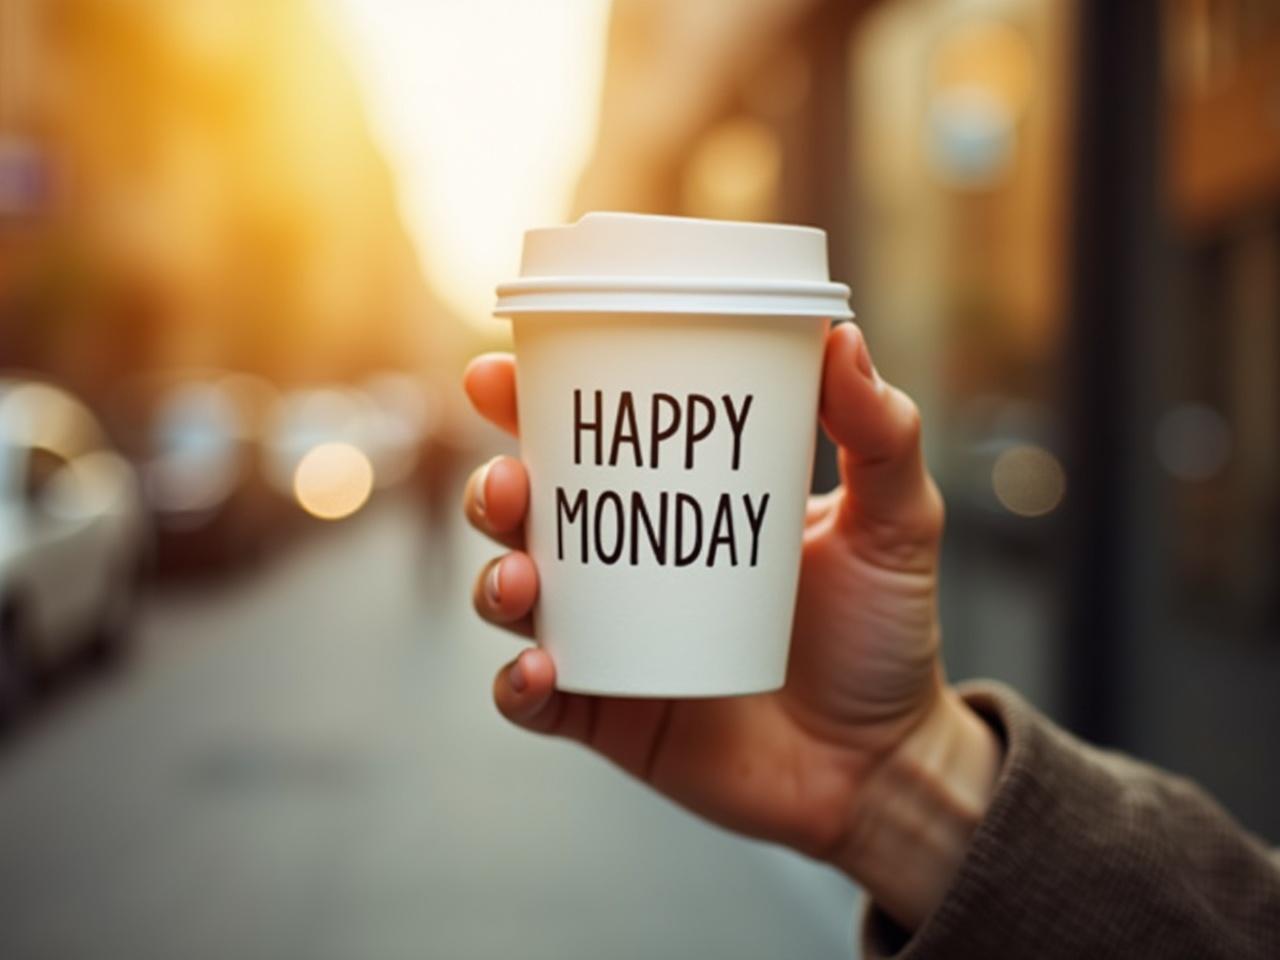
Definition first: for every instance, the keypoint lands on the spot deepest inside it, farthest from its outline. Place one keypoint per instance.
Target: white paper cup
(668, 377)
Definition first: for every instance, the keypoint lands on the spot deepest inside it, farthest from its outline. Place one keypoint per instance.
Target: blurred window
(958, 119)
(1222, 80)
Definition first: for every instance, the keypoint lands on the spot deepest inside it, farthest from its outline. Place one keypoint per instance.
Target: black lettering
(692, 433)
(658, 433)
(626, 421)
(657, 538)
(565, 512)
(684, 559)
(737, 420)
(580, 425)
(755, 521)
(722, 532)
(609, 557)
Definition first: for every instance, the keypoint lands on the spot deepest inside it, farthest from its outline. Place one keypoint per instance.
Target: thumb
(891, 504)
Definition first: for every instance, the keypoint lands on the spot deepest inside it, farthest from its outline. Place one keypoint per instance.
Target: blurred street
(305, 763)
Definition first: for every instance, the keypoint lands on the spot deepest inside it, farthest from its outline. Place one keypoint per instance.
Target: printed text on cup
(667, 527)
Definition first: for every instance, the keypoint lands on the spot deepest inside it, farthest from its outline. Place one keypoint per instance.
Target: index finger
(490, 383)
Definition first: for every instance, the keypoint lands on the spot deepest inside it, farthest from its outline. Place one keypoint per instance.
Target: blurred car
(196, 437)
(72, 536)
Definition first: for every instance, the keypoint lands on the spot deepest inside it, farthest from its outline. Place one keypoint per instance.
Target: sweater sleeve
(1087, 853)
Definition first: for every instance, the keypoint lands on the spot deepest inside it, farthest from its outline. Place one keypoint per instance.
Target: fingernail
(482, 480)
(493, 584)
(516, 677)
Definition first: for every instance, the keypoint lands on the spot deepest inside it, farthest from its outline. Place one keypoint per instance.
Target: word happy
(665, 527)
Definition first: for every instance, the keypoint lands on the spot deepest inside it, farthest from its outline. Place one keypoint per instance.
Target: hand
(865, 758)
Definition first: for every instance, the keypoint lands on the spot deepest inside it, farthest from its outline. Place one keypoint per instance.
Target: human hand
(865, 758)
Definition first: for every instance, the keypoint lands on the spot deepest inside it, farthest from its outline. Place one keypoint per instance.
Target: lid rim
(798, 299)
(800, 313)
(663, 284)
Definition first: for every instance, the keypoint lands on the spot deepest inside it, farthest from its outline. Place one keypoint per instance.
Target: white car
(72, 535)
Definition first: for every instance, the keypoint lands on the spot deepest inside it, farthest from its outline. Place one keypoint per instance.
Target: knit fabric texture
(1089, 853)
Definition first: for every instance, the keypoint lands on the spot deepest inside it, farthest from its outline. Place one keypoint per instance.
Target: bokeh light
(1028, 481)
(44, 417)
(1193, 442)
(983, 79)
(333, 480)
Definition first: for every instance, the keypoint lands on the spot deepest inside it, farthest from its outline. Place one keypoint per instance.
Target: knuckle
(933, 513)
(912, 426)
(908, 538)
(919, 531)
(901, 434)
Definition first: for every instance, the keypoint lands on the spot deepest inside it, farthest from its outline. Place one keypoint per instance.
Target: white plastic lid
(636, 263)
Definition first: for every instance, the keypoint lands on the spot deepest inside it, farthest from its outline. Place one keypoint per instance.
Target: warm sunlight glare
(486, 110)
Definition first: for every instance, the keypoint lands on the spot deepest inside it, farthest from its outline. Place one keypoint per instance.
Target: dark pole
(830, 196)
(1114, 292)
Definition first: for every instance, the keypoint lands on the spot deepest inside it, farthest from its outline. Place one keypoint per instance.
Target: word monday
(665, 527)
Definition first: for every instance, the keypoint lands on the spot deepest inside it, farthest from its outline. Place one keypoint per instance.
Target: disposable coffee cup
(668, 374)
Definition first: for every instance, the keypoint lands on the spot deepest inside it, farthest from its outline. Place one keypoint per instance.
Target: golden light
(989, 55)
(333, 480)
(1028, 481)
(735, 172)
(486, 111)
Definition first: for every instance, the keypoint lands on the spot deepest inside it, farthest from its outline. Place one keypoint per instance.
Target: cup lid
(637, 263)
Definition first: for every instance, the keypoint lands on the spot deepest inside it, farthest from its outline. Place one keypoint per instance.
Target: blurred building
(186, 183)
(1061, 225)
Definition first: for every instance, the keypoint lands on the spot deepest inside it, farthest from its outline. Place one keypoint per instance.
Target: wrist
(918, 807)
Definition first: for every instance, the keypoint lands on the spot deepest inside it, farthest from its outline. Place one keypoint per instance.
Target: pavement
(303, 762)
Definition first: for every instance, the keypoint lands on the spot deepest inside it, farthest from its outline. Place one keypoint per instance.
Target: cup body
(669, 459)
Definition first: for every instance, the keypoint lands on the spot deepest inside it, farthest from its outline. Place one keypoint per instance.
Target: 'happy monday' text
(665, 527)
